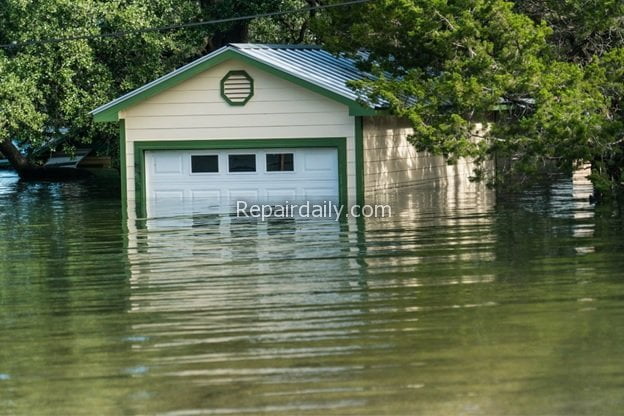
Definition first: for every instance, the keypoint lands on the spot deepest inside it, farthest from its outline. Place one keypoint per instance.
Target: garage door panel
(172, 194)
(168, 164)
(278, 195)
(249, 195)
(206, 194)
(316, 161)
(169, 176)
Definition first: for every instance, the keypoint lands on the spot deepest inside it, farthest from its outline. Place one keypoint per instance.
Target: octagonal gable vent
(237, 87)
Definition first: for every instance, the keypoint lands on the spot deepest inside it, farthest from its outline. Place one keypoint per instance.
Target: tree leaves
(549, 103)
(61, 81)
(48, 89)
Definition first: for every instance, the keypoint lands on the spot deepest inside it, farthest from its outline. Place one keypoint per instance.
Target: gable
(110, 111)
(195, 109)
(201, 95)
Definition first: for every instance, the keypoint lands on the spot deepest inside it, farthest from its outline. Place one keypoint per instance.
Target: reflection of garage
(197, 179)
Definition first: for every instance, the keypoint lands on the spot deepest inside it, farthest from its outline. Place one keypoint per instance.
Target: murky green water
(453, 306)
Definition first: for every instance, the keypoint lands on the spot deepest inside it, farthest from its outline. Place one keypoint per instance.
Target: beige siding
(391, 162)
(194, 110)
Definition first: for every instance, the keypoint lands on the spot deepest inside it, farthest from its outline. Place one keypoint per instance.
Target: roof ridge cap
(274, 46)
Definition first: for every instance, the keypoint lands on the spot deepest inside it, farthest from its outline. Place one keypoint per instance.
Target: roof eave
(105, 116)
(110, 111)
(363, 111)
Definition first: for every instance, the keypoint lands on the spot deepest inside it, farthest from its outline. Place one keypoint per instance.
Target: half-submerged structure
(261, 123)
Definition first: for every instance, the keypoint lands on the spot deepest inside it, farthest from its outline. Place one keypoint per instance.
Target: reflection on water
(452, 306)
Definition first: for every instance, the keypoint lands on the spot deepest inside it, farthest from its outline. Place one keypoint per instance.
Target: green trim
(122, 166)
(173, 79)
(251, 86)
(359, 159)
(340, 143)
(139, 182)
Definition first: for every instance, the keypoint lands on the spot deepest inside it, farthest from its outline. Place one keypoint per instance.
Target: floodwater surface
(455, 305)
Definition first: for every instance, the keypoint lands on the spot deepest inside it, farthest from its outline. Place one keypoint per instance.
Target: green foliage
(47, 90)
(17, 109)
(581, 29)
(447, 65)
(289, 28)
(52, 86)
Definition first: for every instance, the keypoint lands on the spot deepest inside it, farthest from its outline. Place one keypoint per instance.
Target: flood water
(456, 305)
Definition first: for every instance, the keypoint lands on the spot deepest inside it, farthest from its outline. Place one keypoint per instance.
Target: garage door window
(204, 163)
(242, 163)
(279, 162)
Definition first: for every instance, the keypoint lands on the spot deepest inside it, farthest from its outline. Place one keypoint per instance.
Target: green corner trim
(123, 166)
(140, 147)
(149, 90)
(359, 159)
(224, 94)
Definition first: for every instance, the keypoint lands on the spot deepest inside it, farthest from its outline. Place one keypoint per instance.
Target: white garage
(257, 123)
(209, 180)
(261, 122)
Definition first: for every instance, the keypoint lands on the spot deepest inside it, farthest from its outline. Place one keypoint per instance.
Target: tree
(591, 33)
(288, 28)
(47, 89)
(447, 64)
(17, 109)
(285, 28)
(582, 30)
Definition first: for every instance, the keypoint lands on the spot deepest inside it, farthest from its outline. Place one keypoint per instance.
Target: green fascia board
(112, 113)
(359, 159)
(340, 143)
(122, 166)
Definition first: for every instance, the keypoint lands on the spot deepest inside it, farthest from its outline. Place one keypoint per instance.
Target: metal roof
(310, 64)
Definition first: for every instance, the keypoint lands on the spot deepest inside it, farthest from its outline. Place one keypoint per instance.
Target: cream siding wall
(391, 162)
(194, 110)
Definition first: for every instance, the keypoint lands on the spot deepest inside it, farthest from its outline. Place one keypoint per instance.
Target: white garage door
(204, 181)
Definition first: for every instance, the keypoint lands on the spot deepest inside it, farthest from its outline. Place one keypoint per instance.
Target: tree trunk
(13, 155)
(28, 171)
(236, 32)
